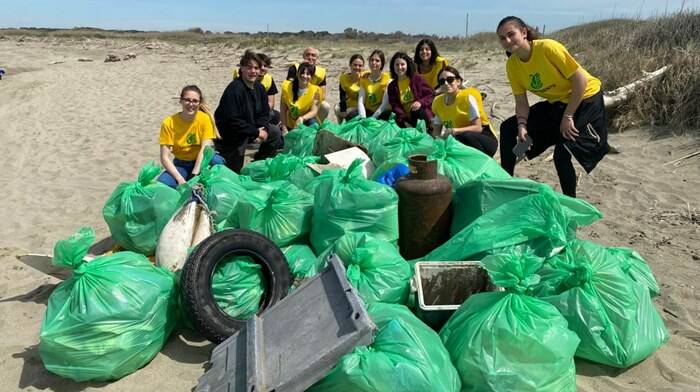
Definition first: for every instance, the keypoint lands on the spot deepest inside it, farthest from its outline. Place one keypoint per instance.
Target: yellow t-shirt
(186, 137)
(462, 111)
(266, 80)
(352, 89)
(303, 103)
(433, 75)
(374, 91)
(547, 72)
(406, 94)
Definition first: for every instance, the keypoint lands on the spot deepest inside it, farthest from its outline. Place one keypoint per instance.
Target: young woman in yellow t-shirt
(185, 134)
(429, 63)
(460, 112)
(372, 99)
(300, 99)
(349, 88)
(573, 116)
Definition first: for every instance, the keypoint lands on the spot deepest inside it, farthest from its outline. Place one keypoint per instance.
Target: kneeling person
(460, 112)
(243, 115)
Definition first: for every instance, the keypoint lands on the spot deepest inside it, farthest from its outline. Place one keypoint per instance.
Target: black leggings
(483, 141)
(543, 127)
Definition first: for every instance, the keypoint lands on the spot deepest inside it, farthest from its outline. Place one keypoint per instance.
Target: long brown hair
(531, 34)
(202, 105)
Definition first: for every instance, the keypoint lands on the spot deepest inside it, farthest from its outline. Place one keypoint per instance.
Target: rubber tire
(211, 321)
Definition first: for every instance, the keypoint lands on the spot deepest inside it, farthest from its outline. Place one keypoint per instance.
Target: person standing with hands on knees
(573, 116)
(243, 115)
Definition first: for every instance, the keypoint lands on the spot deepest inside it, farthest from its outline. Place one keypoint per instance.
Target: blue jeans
(185, 170)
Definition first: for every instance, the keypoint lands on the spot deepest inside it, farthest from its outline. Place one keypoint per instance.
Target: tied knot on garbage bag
(71, 252)
(514, 272)
(578, 276)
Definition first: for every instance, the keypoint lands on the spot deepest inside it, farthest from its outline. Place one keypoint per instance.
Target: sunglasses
(448, 80)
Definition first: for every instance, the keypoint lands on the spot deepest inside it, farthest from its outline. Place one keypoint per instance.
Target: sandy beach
(72, 130)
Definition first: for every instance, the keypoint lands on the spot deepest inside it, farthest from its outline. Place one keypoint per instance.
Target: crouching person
(243, 115)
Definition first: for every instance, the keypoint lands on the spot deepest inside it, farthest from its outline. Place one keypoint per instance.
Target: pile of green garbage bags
(560, 297)
(110, 318)
(511, 340)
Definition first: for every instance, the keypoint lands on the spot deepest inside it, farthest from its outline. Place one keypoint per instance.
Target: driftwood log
(621, 94)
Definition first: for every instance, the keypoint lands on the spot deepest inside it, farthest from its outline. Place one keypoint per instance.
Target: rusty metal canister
(425, 211)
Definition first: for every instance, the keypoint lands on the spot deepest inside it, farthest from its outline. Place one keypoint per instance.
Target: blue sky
(446, 17)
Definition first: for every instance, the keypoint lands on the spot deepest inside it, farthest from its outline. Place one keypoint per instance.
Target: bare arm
(578, 87)
(198, 163)
(522, 111)
(361, 112)
(271, 101)
(283, 116)
(168, 164)
(474, 126)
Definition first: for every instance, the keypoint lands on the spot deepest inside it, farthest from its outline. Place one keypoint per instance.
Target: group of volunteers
(423, 87)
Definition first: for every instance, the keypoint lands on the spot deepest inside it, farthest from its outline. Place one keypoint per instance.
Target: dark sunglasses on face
(448, 80)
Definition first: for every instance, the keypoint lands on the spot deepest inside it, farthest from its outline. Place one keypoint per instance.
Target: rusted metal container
(425, 211)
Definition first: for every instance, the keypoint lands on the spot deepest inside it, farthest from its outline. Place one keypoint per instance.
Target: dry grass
(619, 51)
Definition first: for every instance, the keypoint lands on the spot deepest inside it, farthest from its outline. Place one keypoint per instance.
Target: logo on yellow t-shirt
(372, 98)
(535, 81)
(191, 139)
(448, 124)
(295, 111)
(407, 96)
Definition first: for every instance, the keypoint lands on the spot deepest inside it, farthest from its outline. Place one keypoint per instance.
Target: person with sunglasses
(243, 115)
(410, 96)
(460, 112)
(185, 134)
(572, 116)
(300, 99)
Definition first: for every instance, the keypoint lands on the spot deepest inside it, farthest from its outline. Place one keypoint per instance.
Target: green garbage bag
(223, 190)
(406, 356)
(278, 210)
(360, 130)
(136, 212)
(283, 167)
(300, 141)
(385, 132)
(374, 267)
(612, 314)
(344, 201)
(462, 163)
(636, 268)
(535, 222)
(302, 261)
(237, 286)
(511, 341)
(477, 197)
(110, 318)
(406, 142)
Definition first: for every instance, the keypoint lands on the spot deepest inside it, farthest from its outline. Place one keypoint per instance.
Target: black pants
(414, 116)
(384, 116)
(543, 127)
(234, 153)
(484, 141)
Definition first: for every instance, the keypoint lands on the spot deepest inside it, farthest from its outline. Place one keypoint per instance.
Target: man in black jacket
(243, 115)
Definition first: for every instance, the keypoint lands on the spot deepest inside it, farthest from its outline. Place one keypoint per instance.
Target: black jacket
(241, 112)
